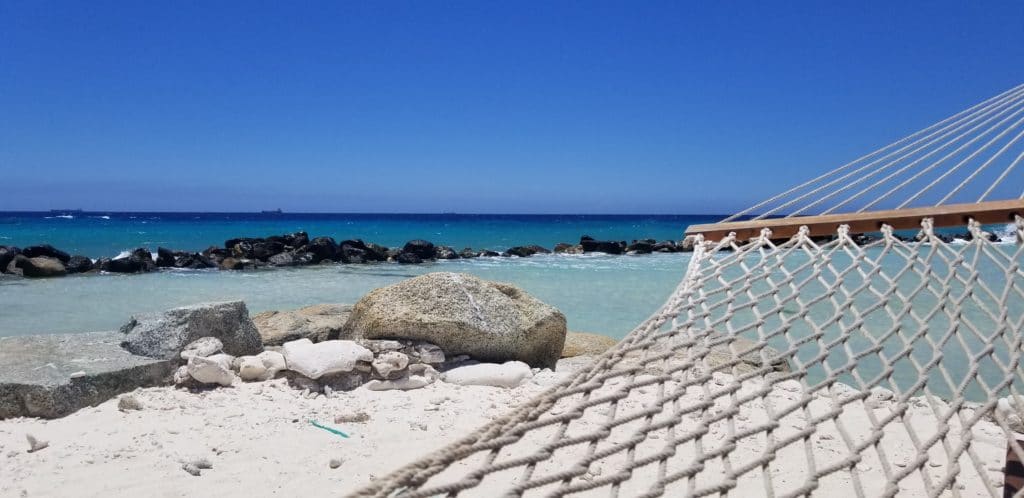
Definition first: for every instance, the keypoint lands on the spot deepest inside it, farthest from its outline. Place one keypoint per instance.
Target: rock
(225, 360)
(462, 314)
(424, 370)
(468, 252)
(165, 258)
(53, 375)
(357, 251)
(445, 252)
(78, 264)
(641, 247)
(879, 397)
(508, 374)
(334, 463)
(351, 417)
(202, 463)
(39, 266)
(323, 248)
(274, 362)
(317, 323)
(264, 249)
(35, 444)
(127, 402)
(251, 368)
(181, 376)
(406, 383)
(194, 261)
(429, 353)
(323, 358)
(422, 249)
(138, 261)
(294, 258)
(665, 246)
(204, 346)
(407, 258)
(583, 343)
(47, 251)
(609, 247)
(487, 253)
(344, 381)
(390, 365)
(238, 264)
(165, 335)
(7, 254)
(526, 251)
(191, 469)
(208, 371)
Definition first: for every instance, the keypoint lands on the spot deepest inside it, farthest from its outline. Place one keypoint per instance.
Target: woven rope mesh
(770, 354)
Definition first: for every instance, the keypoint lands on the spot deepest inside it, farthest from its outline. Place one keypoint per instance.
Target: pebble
(128, 402)
(34, 444)
(335, 463)
(191, 469)
(351, 417)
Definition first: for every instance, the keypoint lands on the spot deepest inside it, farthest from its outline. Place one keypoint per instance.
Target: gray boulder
(463, 315)
(166, 334)
(55, 374)
(317, 323)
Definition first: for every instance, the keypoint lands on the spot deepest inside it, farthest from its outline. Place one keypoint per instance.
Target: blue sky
(487, 107)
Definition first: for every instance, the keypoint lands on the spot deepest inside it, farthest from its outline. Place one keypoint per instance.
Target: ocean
(598, 293)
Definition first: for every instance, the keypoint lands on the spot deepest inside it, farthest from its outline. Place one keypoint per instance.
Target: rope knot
(927, 228)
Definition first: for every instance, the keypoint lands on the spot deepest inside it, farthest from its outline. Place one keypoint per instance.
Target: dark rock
(194, 261)
(608, 247)
(78, 264)
(263, 250)
(421, 248)
(323, 248)
(468, 253)
(408, 258)
(445, 252)
(293, 240)
(165, 334)
(863, 239)
(54, 375)
(39, 266)
(293, 258)
(7, 254)
(354, 251)
(393, 254)
(165, 258)
(641, 247)
(376, 252)
(665, 246)
(140, 260)
(47, 251)
(526, 251)
(487, 253)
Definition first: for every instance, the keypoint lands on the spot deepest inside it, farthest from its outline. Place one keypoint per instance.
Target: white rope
(1001, 177)
(978, 170)
(1007, 95)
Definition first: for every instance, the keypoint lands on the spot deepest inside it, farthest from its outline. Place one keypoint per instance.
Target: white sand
(260, 442)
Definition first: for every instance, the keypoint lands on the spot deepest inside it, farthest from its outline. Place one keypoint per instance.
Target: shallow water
(597, 293)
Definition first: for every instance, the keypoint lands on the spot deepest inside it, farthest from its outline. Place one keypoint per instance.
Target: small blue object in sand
(328, 429)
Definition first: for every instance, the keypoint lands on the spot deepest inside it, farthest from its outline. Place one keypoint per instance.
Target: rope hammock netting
(866, 365)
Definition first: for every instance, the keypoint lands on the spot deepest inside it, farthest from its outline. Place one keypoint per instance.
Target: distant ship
(274, 211)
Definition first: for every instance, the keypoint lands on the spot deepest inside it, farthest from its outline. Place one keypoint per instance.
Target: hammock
(827, 329)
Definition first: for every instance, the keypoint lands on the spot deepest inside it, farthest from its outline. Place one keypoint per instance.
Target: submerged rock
(463, 314)
(165, 334)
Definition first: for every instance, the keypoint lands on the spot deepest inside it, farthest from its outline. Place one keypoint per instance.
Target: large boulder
(609, 247)
(39, 266)
(139, 260)
(317, 323)
(78, 264)
(463, 315)
(46, 250)
(165, 334)
(323, 248)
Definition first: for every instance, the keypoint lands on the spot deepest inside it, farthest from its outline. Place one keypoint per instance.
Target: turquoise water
(597, 293)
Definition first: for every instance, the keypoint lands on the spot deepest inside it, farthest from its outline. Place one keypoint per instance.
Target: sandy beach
(259, 441)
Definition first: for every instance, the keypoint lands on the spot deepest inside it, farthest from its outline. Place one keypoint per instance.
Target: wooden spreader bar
(901, 219)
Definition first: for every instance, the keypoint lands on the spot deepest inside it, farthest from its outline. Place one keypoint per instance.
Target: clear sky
(486, 107)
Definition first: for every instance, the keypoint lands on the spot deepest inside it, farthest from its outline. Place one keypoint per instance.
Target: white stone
(207, 371)
(402, 384)
(251, 368)
(389, 364)
(204, 346)
(274, 362)
(35, 444)
(222, 359)
(430, 353)
(323, 358)
(508, 374)
(181, 376)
